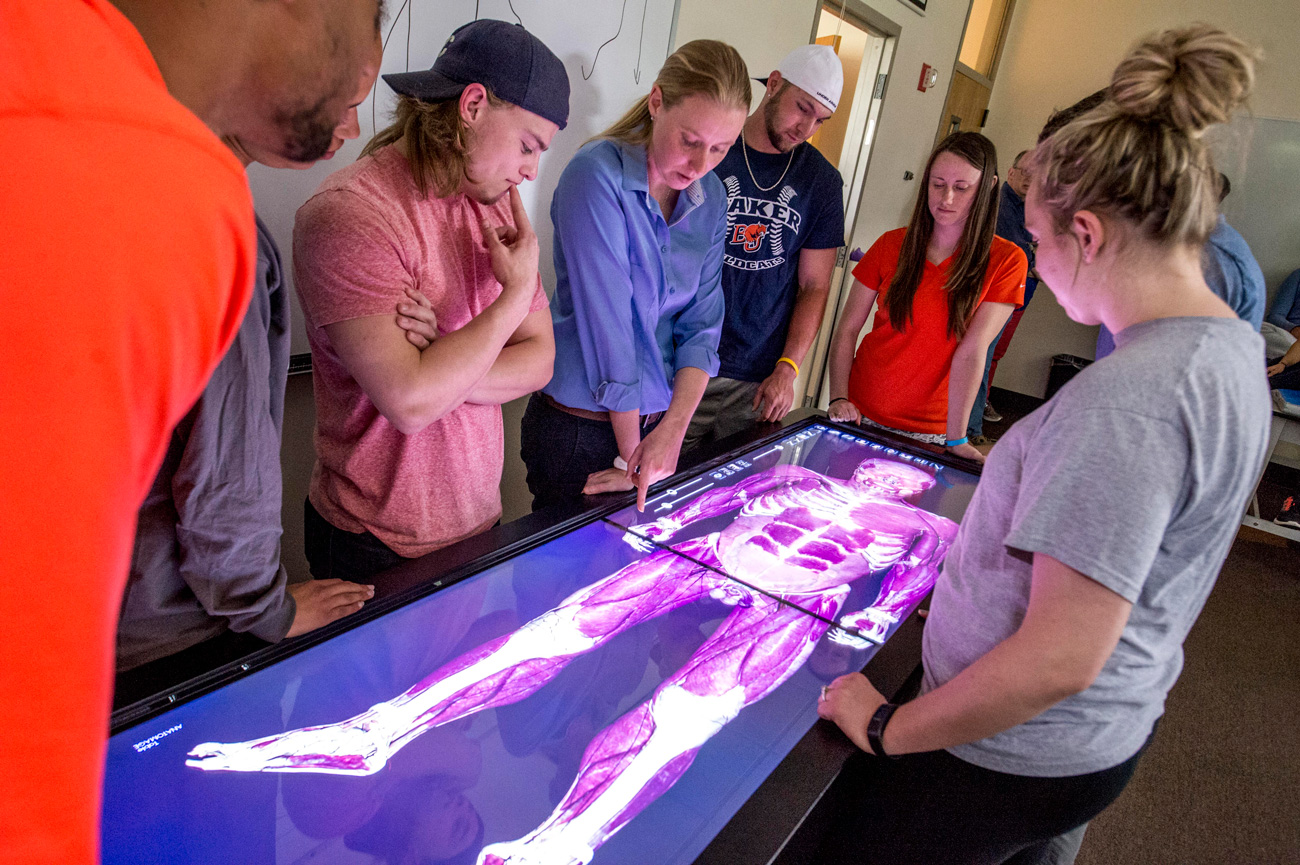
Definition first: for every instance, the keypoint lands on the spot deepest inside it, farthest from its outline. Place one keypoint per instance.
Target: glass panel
(983, 29)
(544, 697)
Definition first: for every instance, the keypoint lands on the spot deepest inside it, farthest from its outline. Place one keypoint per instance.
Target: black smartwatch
(876, 729)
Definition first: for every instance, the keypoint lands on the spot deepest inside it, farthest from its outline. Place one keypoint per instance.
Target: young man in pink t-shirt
(409, 441)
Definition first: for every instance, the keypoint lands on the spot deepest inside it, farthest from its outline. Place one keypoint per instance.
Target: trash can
(1064, 367)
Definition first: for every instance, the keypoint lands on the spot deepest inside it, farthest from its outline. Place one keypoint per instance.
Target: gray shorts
(725, 409)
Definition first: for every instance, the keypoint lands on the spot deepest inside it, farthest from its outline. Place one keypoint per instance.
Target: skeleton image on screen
(797, 543)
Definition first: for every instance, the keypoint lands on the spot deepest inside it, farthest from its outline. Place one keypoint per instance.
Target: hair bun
(1192, 77)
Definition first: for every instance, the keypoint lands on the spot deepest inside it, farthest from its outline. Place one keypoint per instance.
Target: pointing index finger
(642, 483)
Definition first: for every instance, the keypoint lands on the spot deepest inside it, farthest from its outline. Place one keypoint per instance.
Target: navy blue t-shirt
(765, 231)
(1011, 226)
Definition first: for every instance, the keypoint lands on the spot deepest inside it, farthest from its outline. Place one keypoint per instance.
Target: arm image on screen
(717, 502)
(903, 587)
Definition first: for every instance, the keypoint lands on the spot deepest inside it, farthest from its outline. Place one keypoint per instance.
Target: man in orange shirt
(129, 253)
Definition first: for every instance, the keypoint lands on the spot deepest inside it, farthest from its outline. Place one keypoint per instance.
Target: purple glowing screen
(613, 695)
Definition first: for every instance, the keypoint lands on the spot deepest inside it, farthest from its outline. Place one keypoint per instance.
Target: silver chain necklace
(744, 148)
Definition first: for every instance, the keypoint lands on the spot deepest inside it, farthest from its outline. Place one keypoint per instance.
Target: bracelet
(837, 399)
(952, 443)
(876, 729)
(620, 463)
(792, 363)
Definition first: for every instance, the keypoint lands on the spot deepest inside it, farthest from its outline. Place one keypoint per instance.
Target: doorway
(845, 140)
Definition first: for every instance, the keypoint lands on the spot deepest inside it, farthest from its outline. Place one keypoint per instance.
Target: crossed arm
(503, 353)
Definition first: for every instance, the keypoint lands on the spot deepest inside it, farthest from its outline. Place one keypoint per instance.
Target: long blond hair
(437, 141)
(704, 67)
(1138, 155)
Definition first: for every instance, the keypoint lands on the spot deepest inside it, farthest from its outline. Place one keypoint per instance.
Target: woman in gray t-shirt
(1102, 519)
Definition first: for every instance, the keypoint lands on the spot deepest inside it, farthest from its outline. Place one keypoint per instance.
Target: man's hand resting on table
(323, 601)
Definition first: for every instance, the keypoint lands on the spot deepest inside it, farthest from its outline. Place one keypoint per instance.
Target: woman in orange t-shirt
(946, 286)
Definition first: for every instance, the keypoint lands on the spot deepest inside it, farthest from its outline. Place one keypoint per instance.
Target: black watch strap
(876, 729)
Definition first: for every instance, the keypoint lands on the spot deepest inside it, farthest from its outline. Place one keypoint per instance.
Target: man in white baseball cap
(785, 219)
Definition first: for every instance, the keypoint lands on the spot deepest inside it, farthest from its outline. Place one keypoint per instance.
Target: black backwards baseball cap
(505, 58)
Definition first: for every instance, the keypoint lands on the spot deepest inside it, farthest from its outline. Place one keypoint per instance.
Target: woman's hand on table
(843, 409)
(966, 450)
(849, 702)
(610, 480)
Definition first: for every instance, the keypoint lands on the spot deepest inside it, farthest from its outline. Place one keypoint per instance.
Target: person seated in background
(205, 571)
(1230, 269)
(946, 285)
(1011, 226)
(785, 221)
(1282, 348)
(409, 438)
(1281, 328)
(640, 222)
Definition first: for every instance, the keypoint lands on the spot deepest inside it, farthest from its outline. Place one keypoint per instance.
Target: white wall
(1059, 51)
(763, 31)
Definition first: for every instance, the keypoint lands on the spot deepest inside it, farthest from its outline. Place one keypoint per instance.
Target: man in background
(130, 254)
(1011, 226)
(1230, 270)
(785, 221)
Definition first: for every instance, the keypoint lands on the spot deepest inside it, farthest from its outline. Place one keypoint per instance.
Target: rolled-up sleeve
(227, 492)
(591, 234)
(698, 328)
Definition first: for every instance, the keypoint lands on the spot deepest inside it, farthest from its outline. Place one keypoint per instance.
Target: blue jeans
(333, 553)
(560, 450)
(975, 425)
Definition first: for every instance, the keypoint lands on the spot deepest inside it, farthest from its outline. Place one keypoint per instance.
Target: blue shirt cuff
(616, 396)
(699, 356)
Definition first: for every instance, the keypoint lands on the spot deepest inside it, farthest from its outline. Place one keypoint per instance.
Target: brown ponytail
(1138, 155)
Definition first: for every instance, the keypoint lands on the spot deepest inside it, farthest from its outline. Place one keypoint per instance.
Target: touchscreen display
(613, 695)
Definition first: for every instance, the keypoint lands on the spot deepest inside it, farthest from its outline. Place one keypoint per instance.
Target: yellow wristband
(794, 365)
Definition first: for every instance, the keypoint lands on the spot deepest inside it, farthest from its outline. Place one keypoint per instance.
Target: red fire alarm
(929, 77)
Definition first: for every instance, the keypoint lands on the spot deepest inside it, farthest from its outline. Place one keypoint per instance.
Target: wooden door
(964, 112)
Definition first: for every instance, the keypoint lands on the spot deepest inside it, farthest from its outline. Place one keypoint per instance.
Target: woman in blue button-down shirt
(639, 227)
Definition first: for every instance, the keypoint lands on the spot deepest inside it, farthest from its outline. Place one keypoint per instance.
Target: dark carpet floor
(1221, 782)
